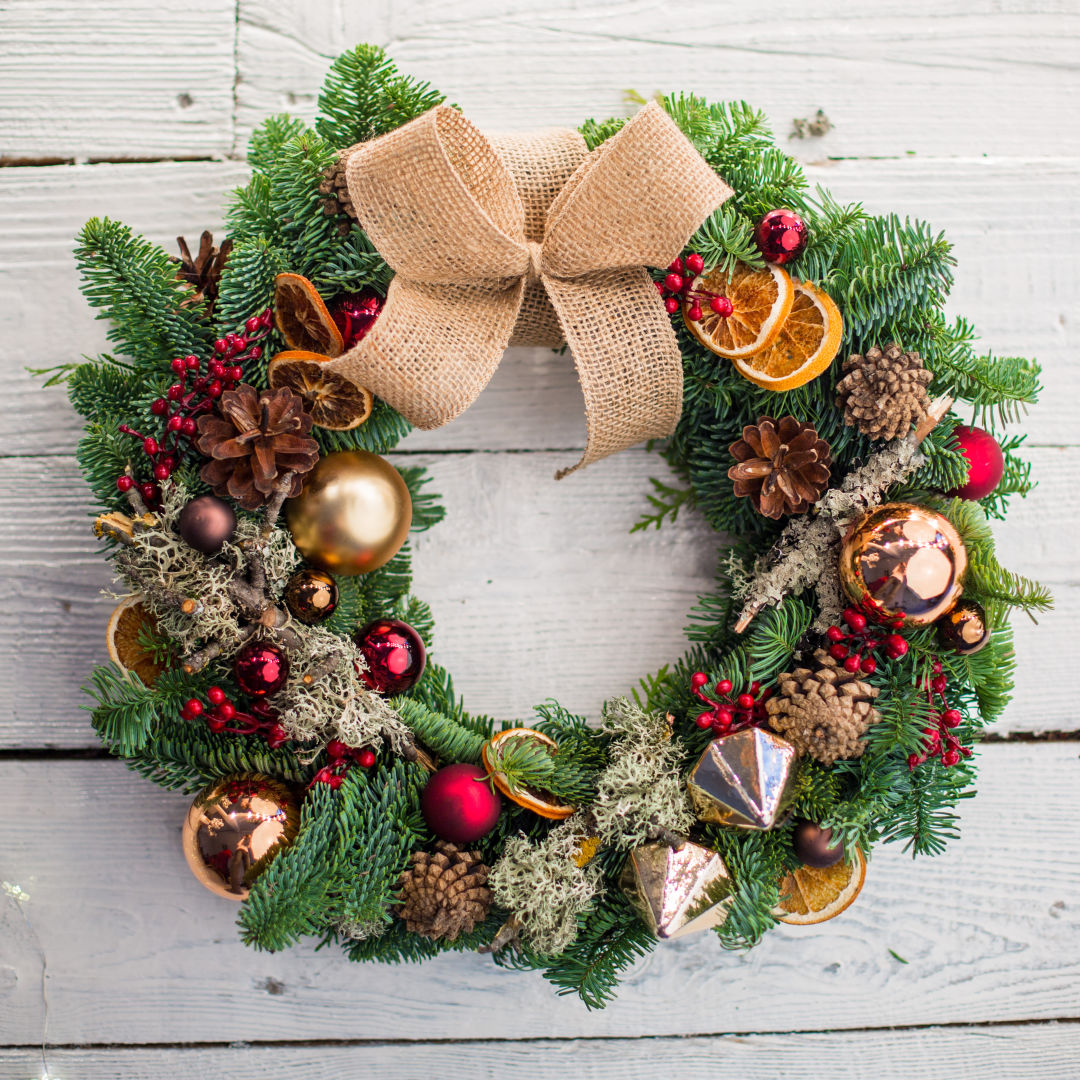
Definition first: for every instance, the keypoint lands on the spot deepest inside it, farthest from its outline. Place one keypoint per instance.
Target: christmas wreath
(267, 652)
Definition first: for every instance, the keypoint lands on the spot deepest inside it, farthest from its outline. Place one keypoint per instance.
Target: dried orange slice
(333, 401)
(539, 802)
(302, 317)
(760, 300)
(806, 345)
(127, 622)
(811, 896)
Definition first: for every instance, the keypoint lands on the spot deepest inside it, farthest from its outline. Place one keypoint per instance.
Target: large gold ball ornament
(902, 561)
(235, 828)
(353, 514)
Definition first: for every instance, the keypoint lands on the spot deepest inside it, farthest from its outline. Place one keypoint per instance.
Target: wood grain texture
(1008, 1052)
(138, 952)
(116, 79)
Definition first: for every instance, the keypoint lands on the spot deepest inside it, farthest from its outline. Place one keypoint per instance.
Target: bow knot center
(532, 271)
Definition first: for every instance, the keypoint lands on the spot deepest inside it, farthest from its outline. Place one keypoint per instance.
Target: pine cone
(783, 465)
(253, 441)
(884, 393)
(444, 893)
(203, 272)
(823, 712)
(334, 187)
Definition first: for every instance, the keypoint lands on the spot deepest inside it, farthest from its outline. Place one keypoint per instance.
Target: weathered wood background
(115, 963)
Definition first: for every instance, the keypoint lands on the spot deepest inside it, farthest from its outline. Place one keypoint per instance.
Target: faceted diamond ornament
(677, 891)
(744, 780)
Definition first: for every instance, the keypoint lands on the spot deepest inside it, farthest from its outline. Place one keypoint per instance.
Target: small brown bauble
(311, 596)
(233, 830)
(814, 845)
(206, 523)
(964, 628)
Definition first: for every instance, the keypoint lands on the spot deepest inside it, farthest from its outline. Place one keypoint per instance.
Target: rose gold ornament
(964, 628)
(233, 830)
(902, 561)
(353, 514)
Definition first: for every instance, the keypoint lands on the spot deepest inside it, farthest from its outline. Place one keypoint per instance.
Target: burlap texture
(531, 239)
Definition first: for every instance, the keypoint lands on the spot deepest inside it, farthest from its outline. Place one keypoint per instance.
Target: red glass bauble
(260, 669)
(986, 462)
(395, 656)
(780, 236)
(459, 805)
(355, 315)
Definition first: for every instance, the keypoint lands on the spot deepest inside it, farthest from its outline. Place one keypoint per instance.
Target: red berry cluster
(677, 289)
(856, 646)
(224, 718)
(342, 759)
(729, 714)
(940, 742)
(183, 401)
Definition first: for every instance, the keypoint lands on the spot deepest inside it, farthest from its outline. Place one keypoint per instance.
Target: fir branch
(667, 502)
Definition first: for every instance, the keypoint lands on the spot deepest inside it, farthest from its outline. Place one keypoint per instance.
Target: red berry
(938, 684)
(745, 701)
(335, 748)
(869, 666)
(335, 782)
(159, 407)
(935, 667)
(856, 620)
(951, 718)
(722, 306)
(933, 735)
(252, 325)
(276, 736)
(723, 686)
(215, 723)
(125, 483)
(178, 365)
(217, 368)
(255, 352)
(698, 679)
(150, 445)
(147, 491)
(914, 760)
(216, 695)
(694, 314)
(188, 426)
(673, 282)
(240, 343)
(695, 263)
(227, 710)
(236, 373)
(724, 715)
(193, 706)
(214, 389)
(175, 423)
(704, 720)
(191, 362)
(659, 287)
(676, 267)
(950, 757)
(835, 634)
(267, 318)
(838, 652)
(366, 759)
(671, 305)
(896, 646)
(220, 345)
(162, 471)
(851, 664)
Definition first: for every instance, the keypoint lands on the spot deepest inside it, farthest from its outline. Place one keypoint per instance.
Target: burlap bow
(528, 240)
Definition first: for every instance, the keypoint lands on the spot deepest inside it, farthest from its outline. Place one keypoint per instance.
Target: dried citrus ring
(811, 896)
(760, 302)
(127, 622)
(302, 317)
(333, 401)
(539, 802)
(806, 345)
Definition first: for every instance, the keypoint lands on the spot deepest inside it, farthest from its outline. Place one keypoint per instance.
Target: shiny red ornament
(780, 236)
(355, 315)
(395, 656)
(459, 804)
(986, 462)
(260, 669)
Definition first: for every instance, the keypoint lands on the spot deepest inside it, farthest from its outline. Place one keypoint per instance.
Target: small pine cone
(336, 189)
(444, 893)
(783, 467)
(883, 393)
(823, 712)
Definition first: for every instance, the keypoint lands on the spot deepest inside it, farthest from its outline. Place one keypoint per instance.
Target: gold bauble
(964, 628)
(902, 561)
(234, 828)
(353, 514)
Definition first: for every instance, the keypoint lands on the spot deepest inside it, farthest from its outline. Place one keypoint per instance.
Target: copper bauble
(234, 828)
(206, 523)
(353, 514)
(311, 596)
(964, 628)
(902, 561)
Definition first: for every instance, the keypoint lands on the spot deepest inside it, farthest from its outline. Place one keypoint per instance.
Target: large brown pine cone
(444, 893)
(252, 441)
(883, 392)
(783, 466)
(823, 711)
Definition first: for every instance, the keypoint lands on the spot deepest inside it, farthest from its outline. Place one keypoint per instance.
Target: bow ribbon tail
(627, 357)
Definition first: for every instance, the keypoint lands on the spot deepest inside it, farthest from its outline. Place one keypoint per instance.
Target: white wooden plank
(1003, 216)
(116, 79)
(1034, 1052)
(989, 931)
(920, 78)
(538, 588)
